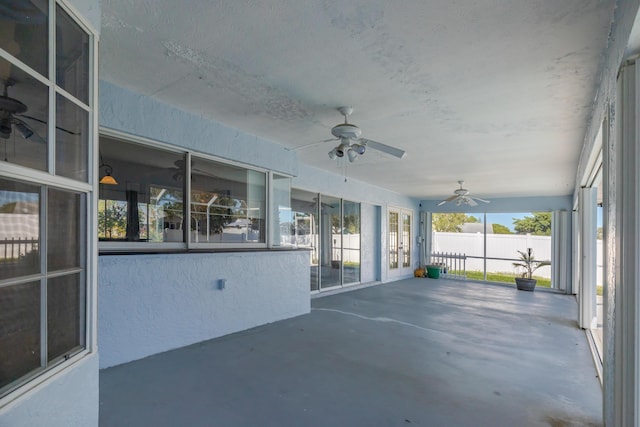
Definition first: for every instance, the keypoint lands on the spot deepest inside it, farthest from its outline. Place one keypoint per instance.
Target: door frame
(403, 242)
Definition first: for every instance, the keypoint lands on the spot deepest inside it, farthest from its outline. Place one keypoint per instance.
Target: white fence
(501, 246)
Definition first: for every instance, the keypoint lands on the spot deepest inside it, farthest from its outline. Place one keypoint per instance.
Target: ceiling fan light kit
(350, 141)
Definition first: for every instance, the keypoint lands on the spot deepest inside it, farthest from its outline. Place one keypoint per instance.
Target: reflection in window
(23, 134)
(331, 242)
(19, 331)
(72, 139)
(19, 229)
(146, 204)
(303, 229)
(351, 242)
(24, 32)
(64, 244)
(72, 56)
(65, 315)
(227, 203)
(282, 214)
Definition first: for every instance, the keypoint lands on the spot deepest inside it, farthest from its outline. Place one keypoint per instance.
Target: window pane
(72, 56)
(394, 239)
(304, 206)
(24, 32)
(64, 244)
(19, 331)
(351, 241)
(406, 240)
(227, 203)
(65, 315)
(331, 245)
(23, 132)
(282, 215)
(19, 229)
(146, 202)
(72, 139)
(509, 234)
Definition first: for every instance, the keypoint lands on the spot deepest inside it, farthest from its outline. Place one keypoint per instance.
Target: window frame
(47, 179)
(187, 244)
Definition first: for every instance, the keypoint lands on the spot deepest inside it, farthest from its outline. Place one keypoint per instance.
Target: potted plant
(528, 264)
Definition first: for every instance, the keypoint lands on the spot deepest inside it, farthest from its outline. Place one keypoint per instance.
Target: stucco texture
(153, 303)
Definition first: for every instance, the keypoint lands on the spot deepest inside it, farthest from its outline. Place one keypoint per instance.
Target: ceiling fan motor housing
(346, 130)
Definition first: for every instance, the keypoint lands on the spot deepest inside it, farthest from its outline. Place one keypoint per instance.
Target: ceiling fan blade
(481, 200)
(43, 121)
(447, 200)
(311, 144)
(396, 152)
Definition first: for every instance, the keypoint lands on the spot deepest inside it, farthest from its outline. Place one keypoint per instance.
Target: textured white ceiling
(495, 92)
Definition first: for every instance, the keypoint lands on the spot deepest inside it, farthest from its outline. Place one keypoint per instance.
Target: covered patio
(411, 352)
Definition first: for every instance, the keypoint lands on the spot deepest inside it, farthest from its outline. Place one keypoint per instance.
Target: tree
(450, 222)
(501, 229)
(539, 224)
(112, 219)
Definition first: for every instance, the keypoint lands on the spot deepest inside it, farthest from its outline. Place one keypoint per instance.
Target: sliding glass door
(330, 228)
(330, 242)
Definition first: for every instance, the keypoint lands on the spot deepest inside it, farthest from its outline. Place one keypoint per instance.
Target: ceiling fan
(10, 111)
(351, 144)
(461, 197)
(11, 114)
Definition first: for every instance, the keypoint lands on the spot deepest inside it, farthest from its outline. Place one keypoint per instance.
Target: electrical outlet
(222, 283)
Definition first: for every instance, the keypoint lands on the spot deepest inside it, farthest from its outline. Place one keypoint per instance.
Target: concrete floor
(417, 352)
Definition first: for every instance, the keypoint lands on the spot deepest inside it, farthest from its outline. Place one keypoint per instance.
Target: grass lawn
(505, 278)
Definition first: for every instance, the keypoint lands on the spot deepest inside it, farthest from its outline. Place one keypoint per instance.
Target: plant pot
(433, 271)
(524, 284)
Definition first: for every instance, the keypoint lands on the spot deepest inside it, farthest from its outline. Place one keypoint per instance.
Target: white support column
(560, 252)
(622, 261)
(575, 252)
(587, 257)
(427, 235)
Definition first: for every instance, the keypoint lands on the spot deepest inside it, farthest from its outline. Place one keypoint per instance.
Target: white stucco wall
(154, 303)
(369, 243)
(135, 114)
(89, 10)
(68, 399)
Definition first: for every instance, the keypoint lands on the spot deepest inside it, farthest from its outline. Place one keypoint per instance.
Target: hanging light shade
(352, 154)
(107, 179)
(359, 148)
(341, 149)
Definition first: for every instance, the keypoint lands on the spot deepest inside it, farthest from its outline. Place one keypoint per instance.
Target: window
(351, 241)
(43, 218)
(145, 203)
(282, 224)
(330, 228)
(227, 203)
(32, 291)
(489, 243)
